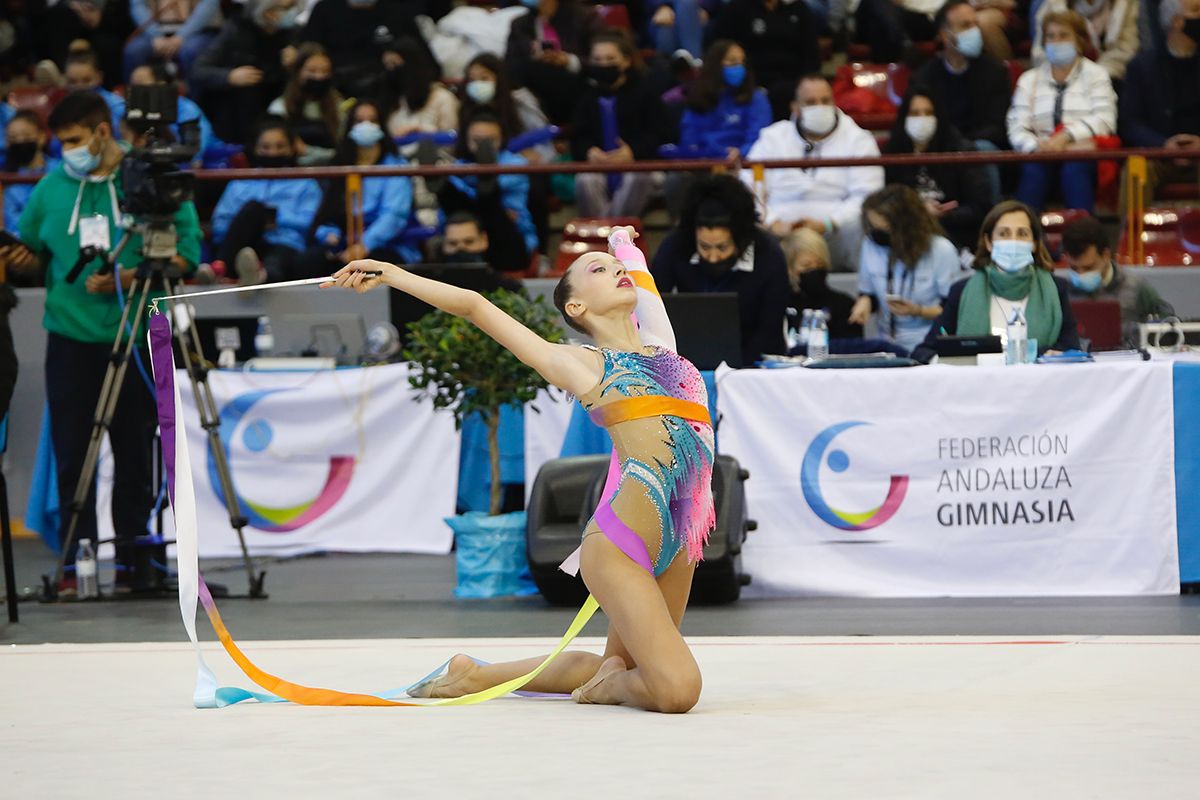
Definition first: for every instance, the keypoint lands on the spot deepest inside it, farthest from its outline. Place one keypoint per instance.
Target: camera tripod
(158, 269)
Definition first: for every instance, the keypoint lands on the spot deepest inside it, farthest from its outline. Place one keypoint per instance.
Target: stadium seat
(1170, 238)
(1053, 223)
(38, 99)
(614, 16)
(1015, 70)
(587, 235)
(870, 93)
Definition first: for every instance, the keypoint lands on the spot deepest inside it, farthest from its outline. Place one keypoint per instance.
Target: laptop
(220, 333)
(341, 337)
(707, 327)
(405, 308)
(1099, 322)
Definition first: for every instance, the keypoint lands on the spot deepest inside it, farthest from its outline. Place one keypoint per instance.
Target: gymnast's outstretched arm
(654, 326)
(568, 367)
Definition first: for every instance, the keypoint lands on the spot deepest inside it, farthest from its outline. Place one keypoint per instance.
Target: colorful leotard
(658, 498)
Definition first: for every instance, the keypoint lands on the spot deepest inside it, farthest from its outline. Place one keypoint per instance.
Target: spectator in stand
(1060, 106)
(1012, 270)
(262, 226)
(719, 247)
(808, 274)
(1095, 275)
(417, 101)
(171, 30)
(974, 89)
(1160, 106)
(103, 24)
(465, 241)
(545, 52)
(386, 202)
(726, 110)
(83, 73)
(360, 34)
(244, 68)
(26, 154)
(487, 85)
(779, 37)
(827, 200)
(619, 120)
(501, 203)
(890, 27)
(907, 267)
(955, 194)
(1112, 27)
(679, 25)
(186, 110)
(311, 105)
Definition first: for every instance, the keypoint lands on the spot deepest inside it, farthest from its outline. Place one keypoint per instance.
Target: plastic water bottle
(1018, 333)
(806, 321)
(818, 338)
(85, 571)
(793, 335)
(264, 340)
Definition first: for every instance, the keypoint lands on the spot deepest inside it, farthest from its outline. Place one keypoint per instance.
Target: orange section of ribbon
(641, 407)
(643, 280)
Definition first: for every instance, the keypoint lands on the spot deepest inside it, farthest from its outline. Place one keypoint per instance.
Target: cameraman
(78, 205)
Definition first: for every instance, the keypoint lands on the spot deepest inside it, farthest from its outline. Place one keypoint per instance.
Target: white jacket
(1089, 105)
(834, 194)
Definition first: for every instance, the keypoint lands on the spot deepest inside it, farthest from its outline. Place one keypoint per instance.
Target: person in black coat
(719, 247)
(957, 195)
(551, 67)
(780, 40)
(808, 266)
(243, 70)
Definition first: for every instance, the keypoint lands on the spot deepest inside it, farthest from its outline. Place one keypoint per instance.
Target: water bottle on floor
(818, 338)
(264, 340)
(1018, 334)
(86, 587)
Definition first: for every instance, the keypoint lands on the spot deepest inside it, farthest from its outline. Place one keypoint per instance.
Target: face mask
(734, 75)
(1060, 54)
(1086, 282)
(604, 77)
(1191, 29)
(395, 78)
(1012, 255)
(718, 269)
(813, 282)
(274, 162)
(880, 237)
(463, 257)
(969, 42)
(288, 19)
(20, 154)
(482, 92)
(80, 160)
(817, 120)
(920, 129)
(366, 134)
(317, 87)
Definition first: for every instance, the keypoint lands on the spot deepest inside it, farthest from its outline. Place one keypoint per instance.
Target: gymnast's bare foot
(456, 681)
(593, 690)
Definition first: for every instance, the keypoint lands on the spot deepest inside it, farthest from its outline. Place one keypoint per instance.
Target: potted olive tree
(463, 370)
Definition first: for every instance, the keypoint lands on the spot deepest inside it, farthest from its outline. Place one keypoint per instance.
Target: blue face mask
(1060, 54)
(80, 160)
(969, 42)
(1012, 255)
(366, 134)
(734, 75)
(1086, 282)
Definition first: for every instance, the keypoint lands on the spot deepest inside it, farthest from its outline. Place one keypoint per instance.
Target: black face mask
(395, 78)
(463, 257)
(718, 269)
(1191, 29)
(604, 78)
(274, 162)
(880, 237)
(813, 282)
(317, 87)
(20, 154)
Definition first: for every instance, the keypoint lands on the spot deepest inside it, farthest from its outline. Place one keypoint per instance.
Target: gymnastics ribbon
(193, 590)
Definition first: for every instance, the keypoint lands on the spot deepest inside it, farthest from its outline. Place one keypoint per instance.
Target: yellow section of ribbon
(652, 406)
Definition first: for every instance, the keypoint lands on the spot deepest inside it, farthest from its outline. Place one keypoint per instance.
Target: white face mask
(920, 129)
(818, 120)
(482, 92)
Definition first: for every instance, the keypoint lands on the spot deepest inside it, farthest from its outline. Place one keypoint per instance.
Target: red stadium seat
(1053, 223)
(589, 235)
(614, 16)
(1015, 70)
(1178, 191)
(38, 99)
(870, 93)
(1170, 238)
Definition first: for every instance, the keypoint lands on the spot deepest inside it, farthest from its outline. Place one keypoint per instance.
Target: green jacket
(46, 227)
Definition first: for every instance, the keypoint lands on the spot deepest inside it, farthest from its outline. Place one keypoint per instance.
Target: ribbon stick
(255, 288)
(193, 590)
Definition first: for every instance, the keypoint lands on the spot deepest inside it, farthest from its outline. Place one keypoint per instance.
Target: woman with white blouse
(1061, 105)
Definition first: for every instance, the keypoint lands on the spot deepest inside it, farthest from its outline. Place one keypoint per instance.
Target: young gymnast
(657, 509)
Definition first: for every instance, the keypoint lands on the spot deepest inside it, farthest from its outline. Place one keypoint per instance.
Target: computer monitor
(405, 308)
(338, 336)
(1099, 322)
(220, 333)
(966, 346)
(707, 327)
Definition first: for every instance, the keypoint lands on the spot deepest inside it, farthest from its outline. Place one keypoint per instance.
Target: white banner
(954, 481)
(545, 431)
(343, 460)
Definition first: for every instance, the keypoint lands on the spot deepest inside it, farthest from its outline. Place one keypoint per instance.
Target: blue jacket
(387, 206)
(728, 125)
(295, 202)
(17, 195)
(514, 196)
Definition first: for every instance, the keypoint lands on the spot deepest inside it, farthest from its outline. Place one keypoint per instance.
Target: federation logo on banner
(839, 462)
(256, 436)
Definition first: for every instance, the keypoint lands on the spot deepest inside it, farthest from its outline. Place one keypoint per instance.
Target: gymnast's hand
(362, 275)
